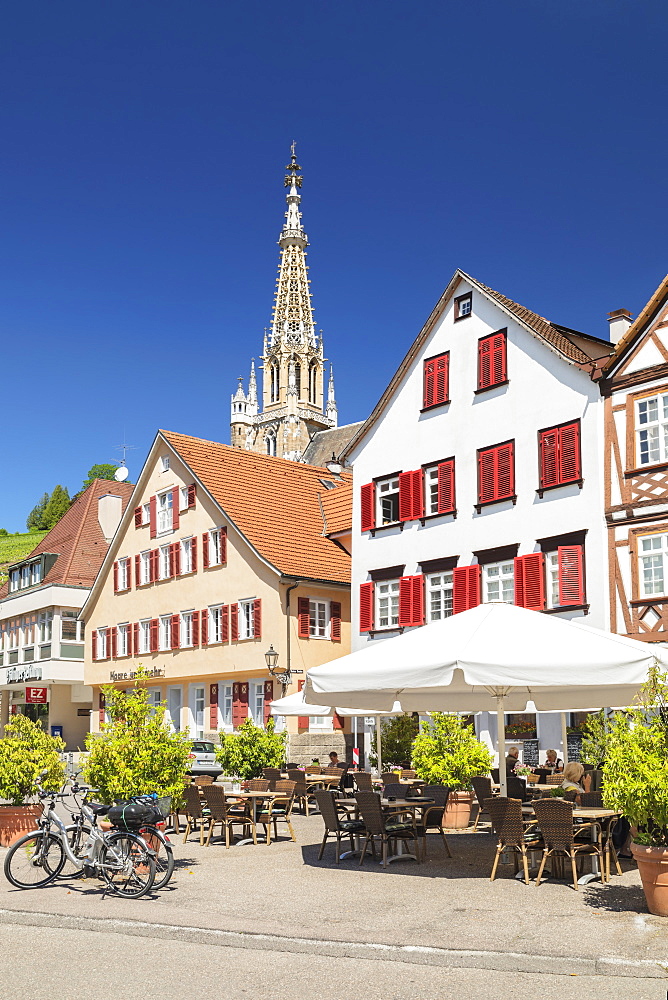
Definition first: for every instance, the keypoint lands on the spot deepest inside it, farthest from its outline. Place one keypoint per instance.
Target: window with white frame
(387, 603)
(186, 556)
(35, 573)
(45, 626)
(652, 429)
(71, 629)
(318, 619)
(164, 562)
(122, 640)
(165, 463)
(652, 557)
(552, 579)
(145, 636)
(246, 619)
(164, 632)
(215, 548)
(196, 711)
(225, 704)
(216, 623)
(12, 640)
(439, 596)
(123, 574)
(183, 498)
(14, 580)
(145, 567)
(25, 576)
(256, 704)
(387, 500)
(154, 700)
(102, 643)
(186, 628)
(145, 513)
(498, 580)
(431, 489)
(164, 510)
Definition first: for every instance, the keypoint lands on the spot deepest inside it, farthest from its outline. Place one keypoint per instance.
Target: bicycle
(122, 859)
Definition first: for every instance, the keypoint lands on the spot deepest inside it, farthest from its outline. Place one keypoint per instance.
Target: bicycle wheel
(126, 865)
(77, 836)
(164, 855)
(34, 860)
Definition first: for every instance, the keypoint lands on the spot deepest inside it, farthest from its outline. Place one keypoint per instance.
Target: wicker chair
(194, 811)
(408, 772)
(336, 825)
(516, 788)
(390, 777)
(278, 810)
(432, 816)
(313, 769)
(227, 814)
(258, 785)
(595, 801)
(387, 828)
(512, 831)
(272, 774)
(555, 819)
(554, 779)
(333, 769)
(592, 799)
(203, 779)
(396, 790)
(482, 787)
(302, 790)
(363, 781)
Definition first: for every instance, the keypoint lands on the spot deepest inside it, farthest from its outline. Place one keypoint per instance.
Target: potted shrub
(26, 752)
(447, 752)
(245, 753)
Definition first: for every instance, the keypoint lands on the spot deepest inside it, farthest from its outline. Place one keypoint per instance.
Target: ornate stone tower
(293, 403)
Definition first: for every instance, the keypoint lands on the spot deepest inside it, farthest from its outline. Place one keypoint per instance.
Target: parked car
(202, 759)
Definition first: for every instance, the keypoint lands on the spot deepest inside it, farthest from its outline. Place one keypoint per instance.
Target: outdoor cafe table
(587, 813)
(254, 798)
(393, 805)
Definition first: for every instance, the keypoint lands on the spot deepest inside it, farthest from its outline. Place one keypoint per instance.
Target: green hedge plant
(447, 752)
(26, 752)
(396, 742)
(245, 753)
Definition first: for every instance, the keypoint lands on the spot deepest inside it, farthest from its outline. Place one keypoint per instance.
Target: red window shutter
(171, 566)
(530, 581)
(411, 600)
(175, 507)
(268, 698)
(137, 571)
(113, 633)
(484, 363)
(428, 383)
(204, 627)
(368, 506)
(243, 701)
(205, 550)
(492, 360)
(571, 574)
(213, 706)
(195, 628)
(94, 644)
(496, 473)
(303, 618)
(138, 517)
(335, 621)
(505, 470)
(177, 558)
(223, 546)
(302, 720)
(442, 379)
(486, 475)
(234, 622)
(569, 453)
(337, 721)
(154, 562)
(192, 493)
(175, 638)
(193, 550)
(154, 635)
(225, 623)
(499, 358)
(128, 638)
(257, 618)
(465, 588)
(101, 704)
(446, 487)
(153, 516)
(135, 639)
(366, 607)
(236, 704)
(411, 495)
(116, 577)
(549, 458)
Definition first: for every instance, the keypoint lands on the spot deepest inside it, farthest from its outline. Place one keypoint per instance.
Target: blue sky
(141, 195)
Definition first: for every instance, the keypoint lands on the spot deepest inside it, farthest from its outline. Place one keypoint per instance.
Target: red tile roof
(77, 538)
(274, 502)
(337, 508)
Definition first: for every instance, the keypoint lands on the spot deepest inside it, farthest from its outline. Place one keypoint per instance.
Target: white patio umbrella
(493, 657)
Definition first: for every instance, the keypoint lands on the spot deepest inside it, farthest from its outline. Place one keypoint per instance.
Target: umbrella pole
(378, 747)
(501, 744)
(564, 739)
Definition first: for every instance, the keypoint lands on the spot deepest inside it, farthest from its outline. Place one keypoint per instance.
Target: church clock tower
(292, 408)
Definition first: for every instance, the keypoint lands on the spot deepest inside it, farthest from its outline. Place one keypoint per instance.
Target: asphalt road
(42, 962)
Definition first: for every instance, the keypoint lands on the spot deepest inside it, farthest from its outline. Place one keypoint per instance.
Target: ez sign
(36, 696)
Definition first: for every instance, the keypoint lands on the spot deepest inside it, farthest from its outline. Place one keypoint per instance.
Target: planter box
(457, 815)
(653, 871)
(15, 821)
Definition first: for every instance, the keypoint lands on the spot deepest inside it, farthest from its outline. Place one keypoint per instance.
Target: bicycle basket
(133, 815)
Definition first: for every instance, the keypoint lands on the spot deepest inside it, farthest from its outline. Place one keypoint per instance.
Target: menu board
(530, 753)
(574, 741)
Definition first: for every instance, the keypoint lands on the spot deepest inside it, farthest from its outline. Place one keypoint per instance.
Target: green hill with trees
(14, 547)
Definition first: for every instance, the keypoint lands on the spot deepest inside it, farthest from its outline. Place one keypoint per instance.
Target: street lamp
(282, 676)
(334, 466)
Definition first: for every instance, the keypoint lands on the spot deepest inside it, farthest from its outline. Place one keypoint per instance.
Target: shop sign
(37, 696)
(19, 675)
(115, 675)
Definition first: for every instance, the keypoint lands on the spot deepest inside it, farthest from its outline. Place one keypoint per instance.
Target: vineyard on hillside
(15, 547)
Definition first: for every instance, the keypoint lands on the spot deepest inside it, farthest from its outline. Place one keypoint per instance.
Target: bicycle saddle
(98, 808)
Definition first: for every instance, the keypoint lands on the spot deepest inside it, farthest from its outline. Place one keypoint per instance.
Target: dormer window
(463, 306)
(28, 574)
(14, 580)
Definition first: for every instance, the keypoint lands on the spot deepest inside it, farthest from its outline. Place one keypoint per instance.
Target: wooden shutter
(366, 607)
(195, 628)
(549, 458)
(484, 363)
(499, 358)
(113, 633)
(234, 622)
(487, 475)
(223, 545)
(428, 383)
(128, 638)
(176, 503)
(446, 487)
(496, 473)
(174, 636)
(570, 468)
(436, 380)
(135, 639)
(116, 577)
(257, 618)
(268, 698)
(236, 704)
(368, 506)
(411, 495)
(138, 517)
(411, 600)
(225, 623)
(335, 621)
(213, 706)
(153, 516)
(177, 558)
(302, 720)
(101, 706)
(337, 721)
(492, 360)
(204, 627)
(171, 563)
(465, 588)
(154, 635)
(243, 701)
(137, 571)
(205, 550)
(571, 575)
(529, 573)
(94, 644)
(193, 551)
(505, 464)
(303, 618)
(154, 565)
(192, 493)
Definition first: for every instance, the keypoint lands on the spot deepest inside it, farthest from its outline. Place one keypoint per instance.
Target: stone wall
(303, 747)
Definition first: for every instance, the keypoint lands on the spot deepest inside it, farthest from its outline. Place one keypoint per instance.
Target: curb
(497, 961)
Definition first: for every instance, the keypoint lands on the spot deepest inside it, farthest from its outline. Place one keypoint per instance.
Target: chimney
(109, 510)
(620, 320)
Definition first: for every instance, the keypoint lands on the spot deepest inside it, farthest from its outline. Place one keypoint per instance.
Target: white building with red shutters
(478, 476)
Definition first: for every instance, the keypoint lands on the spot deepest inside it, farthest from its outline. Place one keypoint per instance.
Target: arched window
(313, 383)
(270, 443)
(298, 379)
(273, 383)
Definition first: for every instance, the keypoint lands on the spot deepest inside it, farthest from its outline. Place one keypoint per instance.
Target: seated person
(573, 780)
(552, 761)
(512, 759)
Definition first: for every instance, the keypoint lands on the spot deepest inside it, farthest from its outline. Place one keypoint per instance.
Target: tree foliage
(104, 471)
(249, 750)
(396, 741)
(136, 752)
(59, 504)
(36, 520)
(447, 752)
(26, 752)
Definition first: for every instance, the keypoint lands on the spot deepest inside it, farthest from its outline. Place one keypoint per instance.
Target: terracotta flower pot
(653, 869)
(15, 821)
(457, 813)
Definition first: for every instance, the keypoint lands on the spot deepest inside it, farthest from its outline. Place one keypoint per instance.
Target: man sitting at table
(512, 759)
(334, 759)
